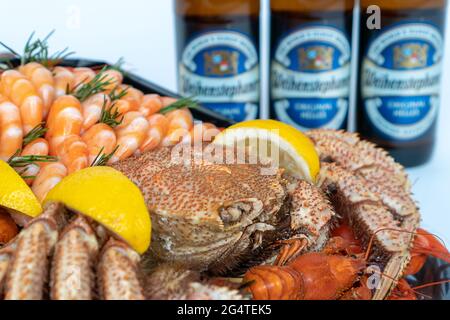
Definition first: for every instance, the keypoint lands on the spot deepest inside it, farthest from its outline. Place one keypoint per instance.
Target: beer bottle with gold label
(218, 54)
(311, 62)
(400, 75)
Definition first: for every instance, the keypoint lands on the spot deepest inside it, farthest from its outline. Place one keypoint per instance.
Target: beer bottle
(218, 54)
(400, 75)
(311, 62)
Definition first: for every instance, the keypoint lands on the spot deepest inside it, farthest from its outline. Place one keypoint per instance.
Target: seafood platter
(96, 204)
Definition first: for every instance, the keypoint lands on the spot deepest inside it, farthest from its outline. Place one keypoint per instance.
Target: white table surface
(142, 31)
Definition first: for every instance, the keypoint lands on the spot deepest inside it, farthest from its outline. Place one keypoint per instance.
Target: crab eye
(230, 215)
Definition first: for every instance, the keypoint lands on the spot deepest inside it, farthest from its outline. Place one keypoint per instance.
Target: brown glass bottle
(218, 55)
(400, 75)
(311, 62)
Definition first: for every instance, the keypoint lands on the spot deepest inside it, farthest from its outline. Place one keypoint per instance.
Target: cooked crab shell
(206, 215)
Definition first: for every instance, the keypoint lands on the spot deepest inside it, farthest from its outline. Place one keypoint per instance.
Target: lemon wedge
(295, 152)
(108, 197)
(15, 194)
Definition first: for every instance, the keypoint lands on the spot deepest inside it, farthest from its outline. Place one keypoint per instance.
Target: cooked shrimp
(151, 104)
(124, 106)
(167, 101)
(158, 128)
(133, 96)
(92, 109)
(49, 176)
(42, 79)
(82, 76)
(64, 80)
(114, 77)
(24, 95)
(7, 80)
(180, 118)
(130, 135)
(38, 147)
(175, 136)
(11, 133)
(202, 132)
(64, 119)
(73, 153)
(97, 137)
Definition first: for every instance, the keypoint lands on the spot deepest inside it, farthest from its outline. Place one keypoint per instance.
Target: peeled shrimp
(133, 96)
(130, 135)
(92, 109)
(42, 79)
(64, 119)
(11, 133)
(64, 80)
(151, 104)
(97, 137)
(175, 136)
(202, 132)
(38, 147)
(115, 78)
(73, 153)
(7, 80)
(49, 176)
(82, 76)
(180, 118)
(23, 94)
(158, 128)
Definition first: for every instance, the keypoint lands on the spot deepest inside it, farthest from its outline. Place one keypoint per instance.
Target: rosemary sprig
(37, 132)
(17, 161)
(118, 65)
(114, 95)
(102, 159)
(37, 50)
(96, 85)
(190, 103)
(111, 116)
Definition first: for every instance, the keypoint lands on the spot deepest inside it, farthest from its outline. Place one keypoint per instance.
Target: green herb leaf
(96, 85)
(190, 103)
(111, 116)
(114, 95)
(17, 161)
(102, 159)
(37, 132)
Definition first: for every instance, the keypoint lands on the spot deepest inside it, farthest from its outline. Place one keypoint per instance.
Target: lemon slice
(15, 194)
(294, 151)
(107, 196)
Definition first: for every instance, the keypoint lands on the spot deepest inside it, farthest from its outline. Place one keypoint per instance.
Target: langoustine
(70, 248)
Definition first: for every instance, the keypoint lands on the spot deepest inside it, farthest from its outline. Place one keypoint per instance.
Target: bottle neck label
(221, 69)
(400, 80)
(311, 78)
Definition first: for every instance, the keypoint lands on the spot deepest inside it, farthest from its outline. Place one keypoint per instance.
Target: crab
(224, 218)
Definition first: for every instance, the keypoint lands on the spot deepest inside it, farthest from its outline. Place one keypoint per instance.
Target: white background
(142, 31)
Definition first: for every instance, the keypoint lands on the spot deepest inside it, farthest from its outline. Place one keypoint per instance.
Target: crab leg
(28, 267)
(117, 272)
(311, 214)
(72, 275)
(369, 216)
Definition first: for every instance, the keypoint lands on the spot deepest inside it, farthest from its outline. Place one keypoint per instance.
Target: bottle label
(221, 69)
(311, 78)
(401, 76)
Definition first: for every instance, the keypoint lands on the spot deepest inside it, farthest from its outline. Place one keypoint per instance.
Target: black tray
(434, 269)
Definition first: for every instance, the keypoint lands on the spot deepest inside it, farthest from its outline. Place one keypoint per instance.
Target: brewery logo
(221, 63)
(410, 55)
(316, 58)
(221, 69)
(401, 80)
(311, 78)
